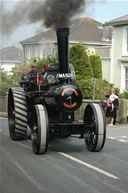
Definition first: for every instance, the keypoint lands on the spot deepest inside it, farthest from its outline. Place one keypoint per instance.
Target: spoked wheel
(17, 114)
(39, 129)
(95, 133)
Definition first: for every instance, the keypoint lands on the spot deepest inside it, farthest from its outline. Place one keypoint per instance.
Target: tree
(80, 61)
(17, 73)
(83, 68)
(96, 66)
(5, 82)
(87, 68)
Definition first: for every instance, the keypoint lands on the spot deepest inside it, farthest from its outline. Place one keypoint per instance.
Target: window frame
(126, 78)
(123, 77)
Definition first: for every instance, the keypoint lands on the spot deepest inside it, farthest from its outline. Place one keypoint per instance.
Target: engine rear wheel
(17, 114)
(95, 133)
(39, 129)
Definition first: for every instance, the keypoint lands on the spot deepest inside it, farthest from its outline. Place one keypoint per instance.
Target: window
(125, 41)
(126, 78)
(127, 38)
(37, 51)
(29, 52)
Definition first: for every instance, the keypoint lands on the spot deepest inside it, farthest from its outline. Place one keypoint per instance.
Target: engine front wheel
(39, 129)
(95, 133)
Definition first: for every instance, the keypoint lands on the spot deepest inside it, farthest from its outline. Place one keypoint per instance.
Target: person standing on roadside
(112, 106)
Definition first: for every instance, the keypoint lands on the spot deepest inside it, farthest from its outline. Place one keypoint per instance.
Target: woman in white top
(112, 104)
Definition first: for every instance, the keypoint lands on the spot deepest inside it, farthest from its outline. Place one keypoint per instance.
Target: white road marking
(111, 137)
(122, 140)
(89, 165)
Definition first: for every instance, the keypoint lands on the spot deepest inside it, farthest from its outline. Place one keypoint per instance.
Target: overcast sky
(99, 10)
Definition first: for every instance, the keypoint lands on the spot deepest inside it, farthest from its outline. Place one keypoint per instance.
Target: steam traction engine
(48, 108)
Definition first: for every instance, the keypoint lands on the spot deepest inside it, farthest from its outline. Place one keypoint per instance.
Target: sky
(102, 11)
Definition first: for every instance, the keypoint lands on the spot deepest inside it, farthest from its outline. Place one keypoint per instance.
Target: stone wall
(3, 104)
(122, 113)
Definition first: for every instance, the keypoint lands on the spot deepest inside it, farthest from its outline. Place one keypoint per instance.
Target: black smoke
(57, 13)
(51, 13)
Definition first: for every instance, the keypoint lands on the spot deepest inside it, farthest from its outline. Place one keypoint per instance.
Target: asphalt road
(67, 167)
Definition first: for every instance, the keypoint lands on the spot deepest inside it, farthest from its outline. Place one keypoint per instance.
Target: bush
(5, 82)
(87, 68)
(80, 61)
(96, 66)
(102, 87)
(124, 95)
(17, 73)
(86, 88)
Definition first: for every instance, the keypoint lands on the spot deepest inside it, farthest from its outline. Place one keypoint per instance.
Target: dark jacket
(32, 73)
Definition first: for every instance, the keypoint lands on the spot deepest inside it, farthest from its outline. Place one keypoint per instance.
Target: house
(117, 69)
(10, 57)
(86, 30)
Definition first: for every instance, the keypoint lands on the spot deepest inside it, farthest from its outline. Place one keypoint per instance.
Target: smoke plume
(57, 13)
(51, 13)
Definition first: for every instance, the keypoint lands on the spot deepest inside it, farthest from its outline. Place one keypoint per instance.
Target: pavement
(3, 114)
(118, 126)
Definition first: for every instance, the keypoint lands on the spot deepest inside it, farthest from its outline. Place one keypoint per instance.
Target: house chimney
(106, 33)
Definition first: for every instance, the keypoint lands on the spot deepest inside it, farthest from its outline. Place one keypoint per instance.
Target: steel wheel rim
(90, 134)
(35, 134)
(35, 141)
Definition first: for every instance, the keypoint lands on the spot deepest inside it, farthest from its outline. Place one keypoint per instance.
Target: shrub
(5, 82)
(124, 95)
(80, 61)
(96, 66)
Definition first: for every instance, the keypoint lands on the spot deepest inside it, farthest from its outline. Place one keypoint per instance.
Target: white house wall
(122, 83)
(41, 50)
(117, 43)
(9, 65)
(119, 61)
(106, 68)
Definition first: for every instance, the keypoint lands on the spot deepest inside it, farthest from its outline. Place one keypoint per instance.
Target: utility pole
(94, 88)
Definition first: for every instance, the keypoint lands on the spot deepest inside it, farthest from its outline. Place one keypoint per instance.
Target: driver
(33, 72)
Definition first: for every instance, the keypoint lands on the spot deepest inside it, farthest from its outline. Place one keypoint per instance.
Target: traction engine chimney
(63, 49)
